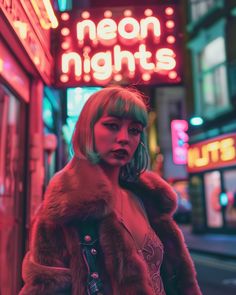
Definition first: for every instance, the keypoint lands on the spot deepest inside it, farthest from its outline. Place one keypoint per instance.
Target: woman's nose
(123, 136)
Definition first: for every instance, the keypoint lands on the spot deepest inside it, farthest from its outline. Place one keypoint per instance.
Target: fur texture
(81, 191)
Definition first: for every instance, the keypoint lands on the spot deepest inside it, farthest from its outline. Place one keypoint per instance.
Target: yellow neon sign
(46, 16)
(212, 154)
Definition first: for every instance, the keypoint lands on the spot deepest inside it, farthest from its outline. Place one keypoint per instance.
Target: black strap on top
(90, 246)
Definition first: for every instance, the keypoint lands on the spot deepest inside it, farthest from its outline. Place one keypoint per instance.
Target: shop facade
(211, 89)
(212, 170)
(25, 67)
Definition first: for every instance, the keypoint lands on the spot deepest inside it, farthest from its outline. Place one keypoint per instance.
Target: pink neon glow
(64, 78)
(127, 12)
(87, 78)
(172, 75)
(148, 12)
(166, 59)
(146, 77)
(170, 39)
(150, 22)
(179, 141)
(65, 45)
(101, 62)
(121, 56)
(128, 28)
(170, 24)
(65, 16)
(169, 11)
(118, 77)
(36, 60)
(144, 56)
(85, 15)
(69, 59)
(65, 32)
(134, 44)
(108, 13)
(86, 27)
(106, 29)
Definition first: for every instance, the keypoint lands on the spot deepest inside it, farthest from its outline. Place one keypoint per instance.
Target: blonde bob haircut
(114, 101)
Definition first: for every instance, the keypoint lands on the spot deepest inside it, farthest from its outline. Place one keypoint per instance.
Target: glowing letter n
(70, 59)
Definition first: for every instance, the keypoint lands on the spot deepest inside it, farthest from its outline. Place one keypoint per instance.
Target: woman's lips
(120, 153)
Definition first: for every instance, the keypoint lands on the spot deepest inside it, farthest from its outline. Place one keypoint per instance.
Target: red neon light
(170, 24)
(64, 78)
(119, 46)
(169, 11)
(85, 14)
(65, 31)
(107, 13)
(127, 12)
(172, 75)
(148, 12)
(170, 39)
(65, 45)
(146, 77)
(65, 16)
(118, 77)
(87, 78)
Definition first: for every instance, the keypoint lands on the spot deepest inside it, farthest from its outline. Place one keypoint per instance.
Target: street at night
(216, 275)
(117, 139)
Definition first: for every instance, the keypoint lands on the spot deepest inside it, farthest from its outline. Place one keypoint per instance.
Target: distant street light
(196, 121)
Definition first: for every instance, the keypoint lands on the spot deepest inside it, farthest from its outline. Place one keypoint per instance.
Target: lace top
(149, 246)
(152, 252)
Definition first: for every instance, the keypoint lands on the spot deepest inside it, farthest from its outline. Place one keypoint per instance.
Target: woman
(105, 226)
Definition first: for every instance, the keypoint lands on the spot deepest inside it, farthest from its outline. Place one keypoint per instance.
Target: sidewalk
(216, 244)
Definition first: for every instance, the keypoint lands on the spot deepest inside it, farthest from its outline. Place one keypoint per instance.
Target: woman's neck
(112, 173)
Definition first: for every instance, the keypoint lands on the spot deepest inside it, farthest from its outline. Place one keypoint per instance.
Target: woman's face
(116, 139)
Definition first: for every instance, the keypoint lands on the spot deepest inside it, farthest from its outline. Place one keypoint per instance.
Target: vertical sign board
(138, 45)
(180, 139)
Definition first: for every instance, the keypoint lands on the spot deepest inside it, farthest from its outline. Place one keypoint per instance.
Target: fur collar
(81, 190)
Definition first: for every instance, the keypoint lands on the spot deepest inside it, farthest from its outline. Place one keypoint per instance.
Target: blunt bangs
(128, 108)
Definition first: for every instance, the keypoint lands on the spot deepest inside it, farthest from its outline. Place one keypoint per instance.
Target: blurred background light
(196, 121)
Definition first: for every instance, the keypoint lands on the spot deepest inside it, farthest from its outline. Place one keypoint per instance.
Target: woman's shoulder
(153, 189)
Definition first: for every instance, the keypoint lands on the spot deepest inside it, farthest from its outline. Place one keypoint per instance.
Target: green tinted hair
(114, 101)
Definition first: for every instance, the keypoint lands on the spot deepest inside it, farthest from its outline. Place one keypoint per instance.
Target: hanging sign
(138, 45)
(180, 139)
(212, 154)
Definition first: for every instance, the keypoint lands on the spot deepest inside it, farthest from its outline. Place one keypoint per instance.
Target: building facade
(25, 68)
(212, 151)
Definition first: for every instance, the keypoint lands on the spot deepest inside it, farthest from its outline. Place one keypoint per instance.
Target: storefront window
(201, 7)
(212, 190)
(213, 77)
(230, 188)
(11, 189)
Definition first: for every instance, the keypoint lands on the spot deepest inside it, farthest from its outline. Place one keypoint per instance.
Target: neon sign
(138, 45)
(212, 154)
(179, 141)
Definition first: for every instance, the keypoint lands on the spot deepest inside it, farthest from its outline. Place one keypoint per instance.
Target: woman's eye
(135, 131)
(112, 126)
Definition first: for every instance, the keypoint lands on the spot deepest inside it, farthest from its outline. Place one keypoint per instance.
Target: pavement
(212, 244)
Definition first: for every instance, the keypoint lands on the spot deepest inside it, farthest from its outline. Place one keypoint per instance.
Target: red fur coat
(54, 264)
